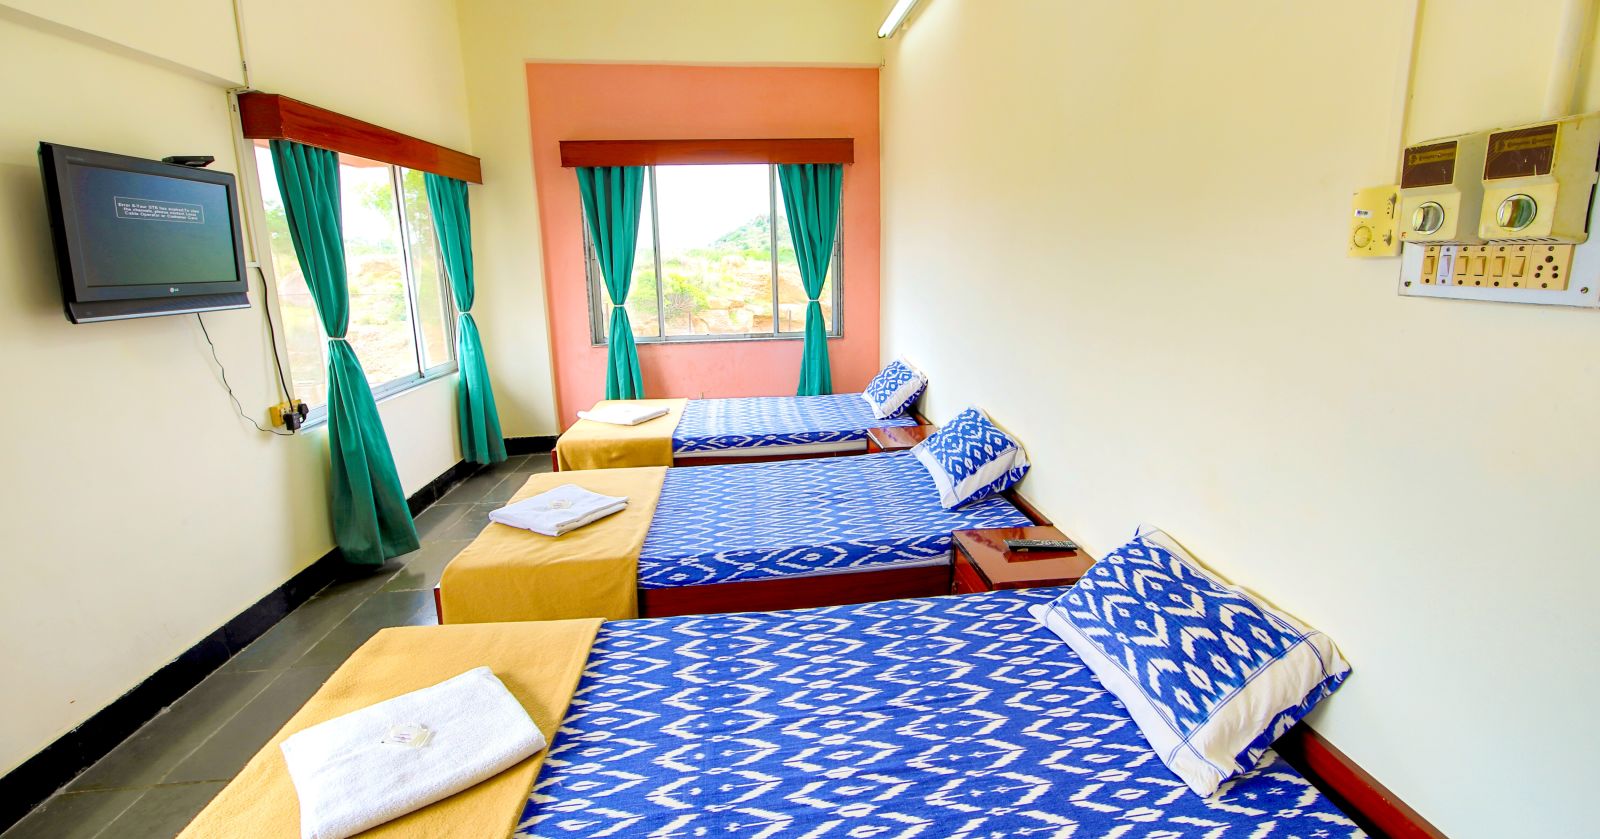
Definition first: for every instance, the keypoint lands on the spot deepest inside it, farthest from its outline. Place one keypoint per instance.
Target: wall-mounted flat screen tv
(137, 238)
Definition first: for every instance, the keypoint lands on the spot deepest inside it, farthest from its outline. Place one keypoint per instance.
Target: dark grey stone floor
(157, 780)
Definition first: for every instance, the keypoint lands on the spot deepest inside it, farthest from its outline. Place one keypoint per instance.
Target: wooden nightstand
(982, 562)
(896, 438)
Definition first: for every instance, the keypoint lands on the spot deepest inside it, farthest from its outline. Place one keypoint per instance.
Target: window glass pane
(792, 297)
(434, 310)
(716, 248)
(642, 292)
(302, 331)
(380, 316)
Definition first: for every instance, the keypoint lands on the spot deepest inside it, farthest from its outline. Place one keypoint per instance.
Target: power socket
(290, 415)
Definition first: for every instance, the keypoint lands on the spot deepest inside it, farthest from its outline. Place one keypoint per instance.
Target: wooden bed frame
(776, 594)
(779, 593)
(1370, 804)
(1367, 802)
(555, 462)
(713, 460)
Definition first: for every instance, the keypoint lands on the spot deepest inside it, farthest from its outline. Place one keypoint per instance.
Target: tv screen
(136, 237)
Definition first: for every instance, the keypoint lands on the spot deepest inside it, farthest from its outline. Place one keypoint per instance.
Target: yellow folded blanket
(599, 445)
(539, 663)
(508, 574)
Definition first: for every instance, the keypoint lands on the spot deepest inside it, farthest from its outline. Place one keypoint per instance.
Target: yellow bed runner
(600, 445)
(539, 663)
(508, 574)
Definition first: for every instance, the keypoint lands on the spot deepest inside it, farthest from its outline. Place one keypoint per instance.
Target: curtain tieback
(340, 338)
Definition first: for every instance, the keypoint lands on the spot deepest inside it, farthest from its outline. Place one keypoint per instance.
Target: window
(729, 270)
(401, 317)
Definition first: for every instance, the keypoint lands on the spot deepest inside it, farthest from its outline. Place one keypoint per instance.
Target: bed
(950, 716)
(736, 537)
(955, 716)
(736, 430)
(767, 426)
(877, 515)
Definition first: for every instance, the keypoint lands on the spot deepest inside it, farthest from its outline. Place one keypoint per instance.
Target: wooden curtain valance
(689, 152)
(269, 116)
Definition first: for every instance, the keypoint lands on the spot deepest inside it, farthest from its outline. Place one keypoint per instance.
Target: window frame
(424, 373)
(600, 302)
(413, 283)
(262, 261)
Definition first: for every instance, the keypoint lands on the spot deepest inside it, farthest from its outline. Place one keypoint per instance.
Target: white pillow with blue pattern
(969, 458)
(1210, 674)
(895, 388)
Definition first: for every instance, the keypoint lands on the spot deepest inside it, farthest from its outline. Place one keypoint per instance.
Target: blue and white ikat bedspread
(709, 425)
(751, 521)
(931, 718)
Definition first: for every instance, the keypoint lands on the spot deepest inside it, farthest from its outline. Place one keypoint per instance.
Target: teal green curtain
(811, 200)
(611, 198)
(371, 521)
(481, 440)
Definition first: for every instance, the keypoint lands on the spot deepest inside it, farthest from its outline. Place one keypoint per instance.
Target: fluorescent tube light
(897, 16)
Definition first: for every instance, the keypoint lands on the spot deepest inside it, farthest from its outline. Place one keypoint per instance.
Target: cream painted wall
(143, 512)
(1136, 212)
(499, 36)
(194, 37)
(396, 63)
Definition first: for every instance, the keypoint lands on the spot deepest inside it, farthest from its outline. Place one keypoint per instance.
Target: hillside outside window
(711, 264)
(402, 321)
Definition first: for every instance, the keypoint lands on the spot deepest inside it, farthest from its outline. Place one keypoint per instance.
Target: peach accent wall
(654, 102)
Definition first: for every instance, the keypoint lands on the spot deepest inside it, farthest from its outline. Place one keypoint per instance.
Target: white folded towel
(623, 414)
(560, 510)
(367, 767)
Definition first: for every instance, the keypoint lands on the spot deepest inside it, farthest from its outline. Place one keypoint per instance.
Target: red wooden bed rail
(1377, 810)
(716, 460)
(796, 592)
(712, 460)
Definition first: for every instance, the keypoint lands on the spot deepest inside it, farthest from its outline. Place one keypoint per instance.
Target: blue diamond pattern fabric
(895, 389)
(710, 425)
(970, 458)
(751, 521)
(929, 718)
(1211, 675)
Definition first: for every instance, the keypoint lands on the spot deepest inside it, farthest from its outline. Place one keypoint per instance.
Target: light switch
(1505, 272)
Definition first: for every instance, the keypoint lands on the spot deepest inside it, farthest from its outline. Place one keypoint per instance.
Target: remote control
(1041, 545)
